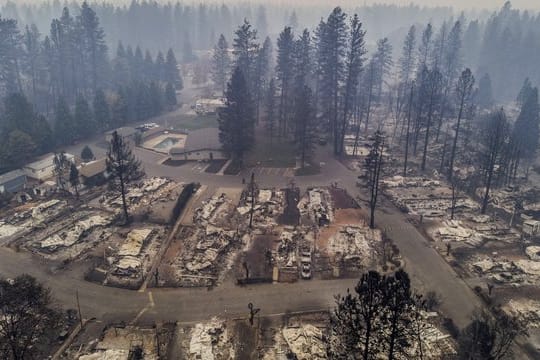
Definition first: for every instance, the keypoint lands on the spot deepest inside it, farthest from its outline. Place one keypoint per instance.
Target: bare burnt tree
(408, 129)
(490, 336)
(495, 137)
(28, 320)
(464, 93)
(376, 320)
(372, 166)
(434, 93)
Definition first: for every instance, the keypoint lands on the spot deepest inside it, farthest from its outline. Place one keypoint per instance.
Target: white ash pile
(306, 342)
(267, 207)
(215, 211)
(424, 196)
(204, 255)
(71, 235)
(504, 271)
(289, 239)
(26, 219)
(128, 262)
(142, 195)
(211, 341)
(119, 343)
(316, 205)
(527, 310)
(500, 271)
(354, 244)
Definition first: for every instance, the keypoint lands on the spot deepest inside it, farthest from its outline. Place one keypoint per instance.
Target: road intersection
(428, 270)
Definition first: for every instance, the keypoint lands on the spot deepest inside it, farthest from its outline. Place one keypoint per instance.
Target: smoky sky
(457, 4)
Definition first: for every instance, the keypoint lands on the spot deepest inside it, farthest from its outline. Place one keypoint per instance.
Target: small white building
(202, 144)
(43, 168)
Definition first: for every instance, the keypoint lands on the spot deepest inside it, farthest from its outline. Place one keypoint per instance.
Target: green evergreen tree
(87, 154)
(245, 50)
(120, 114)
(83, 119)
(74, 180)
(221, 63)
(304, 118)
(93, 45)
(64, 127)
(17, 150)
(284, 73)
(102, 112)
(237, 118)
(170, 95)
(331, 47)
(172, 72)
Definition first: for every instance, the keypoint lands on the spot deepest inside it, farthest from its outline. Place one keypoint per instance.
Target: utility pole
(252, 313)
(252, 190)
(79, 307)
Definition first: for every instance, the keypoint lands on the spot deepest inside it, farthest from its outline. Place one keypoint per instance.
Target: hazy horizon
(456, 4)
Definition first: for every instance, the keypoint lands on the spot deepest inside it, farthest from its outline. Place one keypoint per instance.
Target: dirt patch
(350, 217)
(166, 270)
(258, 258)
(246, 340)
(342, 200)
(291, 214)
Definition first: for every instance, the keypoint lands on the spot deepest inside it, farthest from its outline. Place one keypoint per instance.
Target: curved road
(427, 269)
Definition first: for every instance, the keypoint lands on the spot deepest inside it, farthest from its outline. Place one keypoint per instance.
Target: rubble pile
(68, 237)
(306, 342)
(499, 270)
(423, 196)
(203, 254)
(47, 210)
(526, 309)
(268, 206)
(317, 206)
(211, 341)
(434, 343)
(133, 257)
(507, 198)
(26, 219)
(119, 343)
(475, 231)
(7, 229)
(214, 211)
(533, 252)
(143, 195)
(354, 243)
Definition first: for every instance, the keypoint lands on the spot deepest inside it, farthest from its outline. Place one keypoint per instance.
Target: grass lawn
(279, 154)
(194, 122)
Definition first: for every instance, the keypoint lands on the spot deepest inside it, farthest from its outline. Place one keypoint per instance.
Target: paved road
(428, 270)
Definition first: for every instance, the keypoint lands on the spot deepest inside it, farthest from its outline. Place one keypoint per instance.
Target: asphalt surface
(428, 270)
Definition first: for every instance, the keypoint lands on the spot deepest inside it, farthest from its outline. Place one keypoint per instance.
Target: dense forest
(92, 68)
(64, 85)
(507, 39)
